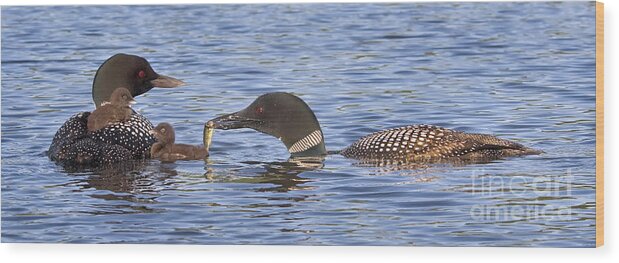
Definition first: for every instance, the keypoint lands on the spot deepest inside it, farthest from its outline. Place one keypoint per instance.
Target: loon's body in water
(290, 119)
(73, 144)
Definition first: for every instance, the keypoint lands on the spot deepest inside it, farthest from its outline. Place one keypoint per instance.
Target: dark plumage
(117, 110)
(290, 119)
(166, 150)
(73, 144)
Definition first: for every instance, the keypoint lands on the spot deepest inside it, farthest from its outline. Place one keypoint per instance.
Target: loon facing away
(290, 119)
(73, 144)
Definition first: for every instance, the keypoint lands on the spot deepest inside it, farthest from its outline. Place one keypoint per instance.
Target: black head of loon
(284, 116)
(131, 72)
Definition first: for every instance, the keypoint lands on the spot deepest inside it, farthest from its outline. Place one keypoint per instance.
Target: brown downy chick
(166, 150)
(117, 110)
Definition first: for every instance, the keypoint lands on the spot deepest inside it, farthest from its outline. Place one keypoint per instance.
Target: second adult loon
(73, 144)
(290, 119)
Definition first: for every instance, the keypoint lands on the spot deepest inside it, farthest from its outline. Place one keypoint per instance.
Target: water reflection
(362, 67)
(145, 176)
(419, 166)
(134, 177)
(283, 175)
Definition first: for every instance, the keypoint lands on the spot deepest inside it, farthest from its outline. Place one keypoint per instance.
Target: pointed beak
(166, 82)
(152, 132)
(234, 121)
(131, 102)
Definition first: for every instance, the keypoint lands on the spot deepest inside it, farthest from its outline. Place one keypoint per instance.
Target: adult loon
(290, 119)
(73, 144)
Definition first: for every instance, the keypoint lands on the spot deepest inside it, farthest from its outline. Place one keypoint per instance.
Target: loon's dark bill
(234, 121)
(166, 82)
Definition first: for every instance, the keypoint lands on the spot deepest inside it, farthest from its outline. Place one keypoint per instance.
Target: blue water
(521, 71)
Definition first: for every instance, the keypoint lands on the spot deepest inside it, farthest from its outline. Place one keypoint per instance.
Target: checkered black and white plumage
(73, 144)
(427, 142)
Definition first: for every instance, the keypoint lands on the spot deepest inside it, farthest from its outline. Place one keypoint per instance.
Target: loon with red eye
(73, 144)
(259, 110)
(141, 74)
(292, 121)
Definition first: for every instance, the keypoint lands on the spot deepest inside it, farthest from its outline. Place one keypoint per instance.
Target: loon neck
(312, 144)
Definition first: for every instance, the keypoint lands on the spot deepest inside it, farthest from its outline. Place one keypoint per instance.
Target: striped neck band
(309, 141)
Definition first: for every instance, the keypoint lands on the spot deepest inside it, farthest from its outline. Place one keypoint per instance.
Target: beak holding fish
(208, 134)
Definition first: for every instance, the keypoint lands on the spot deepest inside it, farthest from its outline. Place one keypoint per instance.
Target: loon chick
(73, 144)
(289, 118)
(118, 110)
(166, 150)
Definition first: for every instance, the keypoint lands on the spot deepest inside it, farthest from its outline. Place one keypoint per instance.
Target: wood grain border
(599, 124)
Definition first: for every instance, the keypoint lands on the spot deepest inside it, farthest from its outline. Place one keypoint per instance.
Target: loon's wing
(487, 146)
(412, 141)
(72, 144)
(86, 151)
(427, 142)
(132, 135)
(74, 128)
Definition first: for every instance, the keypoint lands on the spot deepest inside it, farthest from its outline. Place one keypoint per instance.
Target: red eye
(141, 74)
(259, 110)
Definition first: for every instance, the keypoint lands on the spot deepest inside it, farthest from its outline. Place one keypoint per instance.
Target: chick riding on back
(118, 109)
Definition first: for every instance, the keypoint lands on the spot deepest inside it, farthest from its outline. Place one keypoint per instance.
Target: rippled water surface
(521, 71)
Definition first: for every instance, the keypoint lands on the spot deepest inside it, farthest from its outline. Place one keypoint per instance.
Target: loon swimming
(73, 144)
(290, 119)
